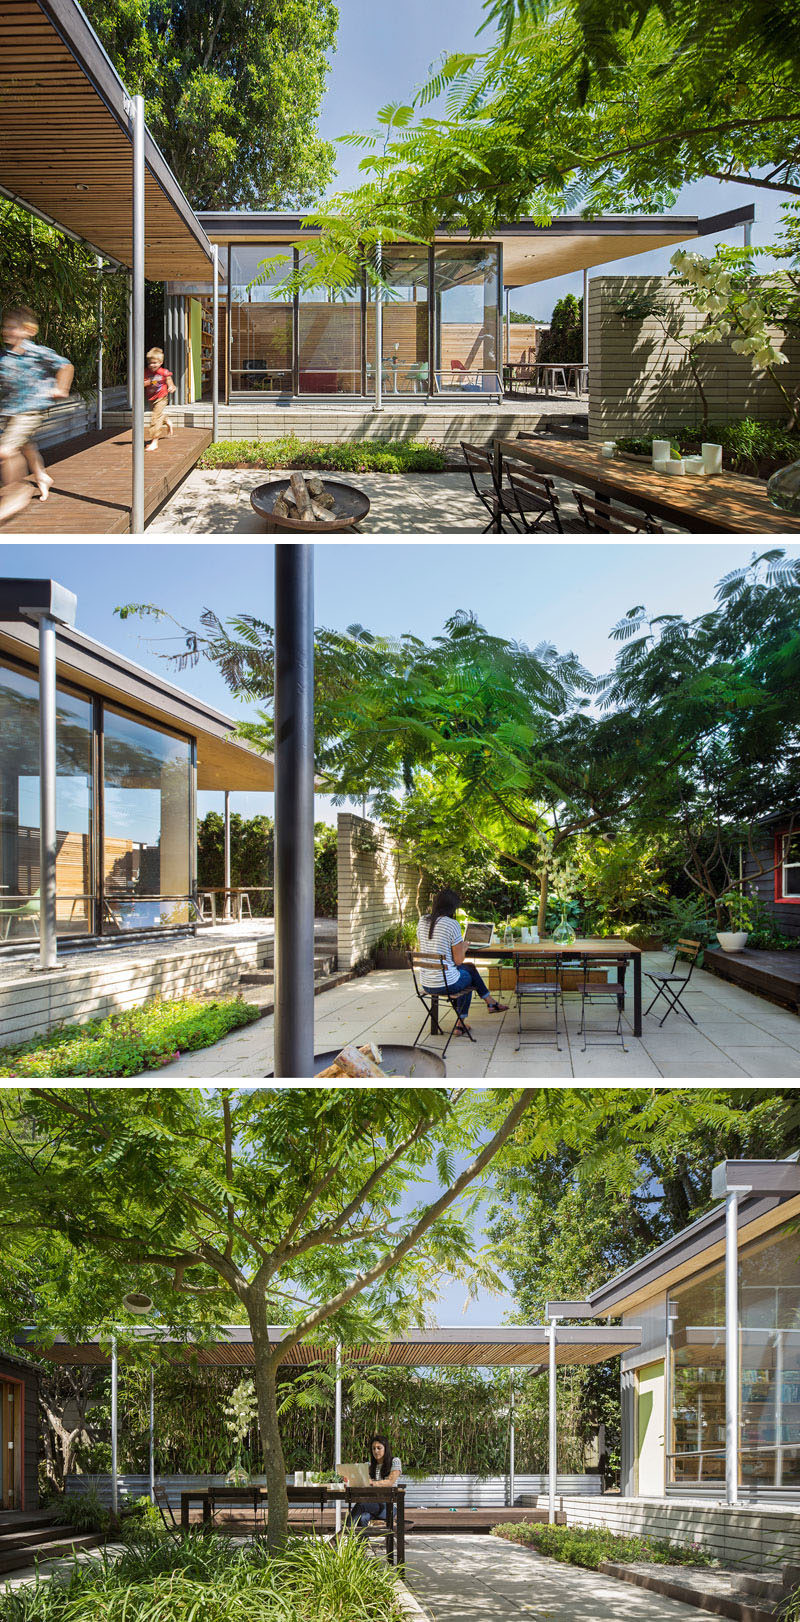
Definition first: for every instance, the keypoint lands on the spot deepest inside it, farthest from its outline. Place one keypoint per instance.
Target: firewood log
(301, 496)
(315, 484)
(352, 1062)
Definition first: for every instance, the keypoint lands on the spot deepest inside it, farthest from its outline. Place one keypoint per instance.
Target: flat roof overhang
(65, 148)
(690, 1252)
(223, 761)
(510, 1346)
(531, 253)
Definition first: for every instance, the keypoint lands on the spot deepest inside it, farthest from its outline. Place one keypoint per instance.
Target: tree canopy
(232, 92)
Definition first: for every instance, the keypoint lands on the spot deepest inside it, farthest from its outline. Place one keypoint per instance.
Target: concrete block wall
(376, 887)
(639, 379)
(32, 1003)
(445, 425)
(760, 1537)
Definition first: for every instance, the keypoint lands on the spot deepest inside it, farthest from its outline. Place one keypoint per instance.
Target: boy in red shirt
(158, 386)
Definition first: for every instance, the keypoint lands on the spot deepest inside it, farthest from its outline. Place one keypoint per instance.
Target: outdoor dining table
(726, 504)
(587, 947)
(322, 1496)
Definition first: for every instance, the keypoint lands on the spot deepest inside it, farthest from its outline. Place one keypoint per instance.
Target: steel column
(152, 1436)
(585, 317)
(47, 791)
(294, 810)
(511, 1442)
(552, 1437)
(226, 879)
(99, 341)
(337, 1430)
(129, 379)
(215, 346)
(114, 1390)
(508, 325)
(379, 334)
(732, 1346)
(137, 369)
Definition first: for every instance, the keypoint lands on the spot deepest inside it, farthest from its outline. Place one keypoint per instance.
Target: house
(19, 1433)
(772, 869)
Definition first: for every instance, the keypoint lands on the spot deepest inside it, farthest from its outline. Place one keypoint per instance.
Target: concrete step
(25, 1554)
(324, 963)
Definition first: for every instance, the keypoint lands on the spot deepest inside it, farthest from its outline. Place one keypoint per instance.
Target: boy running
(31, 378)
(158, 386)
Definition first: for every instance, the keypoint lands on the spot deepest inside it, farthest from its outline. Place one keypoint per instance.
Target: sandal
(461, 1029)
(496, 1007)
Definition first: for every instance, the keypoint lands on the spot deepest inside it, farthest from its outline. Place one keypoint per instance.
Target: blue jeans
(372, 1510)
(469, 980)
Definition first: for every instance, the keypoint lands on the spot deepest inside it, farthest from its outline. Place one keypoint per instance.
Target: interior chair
(429, 963)
(672, 986)
(606, 517)
(480, 467)
(534, 495)
(612, 990)
(536, 984)
(26, 911)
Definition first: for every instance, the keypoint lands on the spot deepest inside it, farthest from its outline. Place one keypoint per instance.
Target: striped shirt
(446, 935)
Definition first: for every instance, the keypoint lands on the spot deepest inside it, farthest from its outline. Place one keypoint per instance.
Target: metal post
(226, 878)
(748, 233)
(294, 810)
(99, 341)
(137, 368)
(215, 346)
(779, 1371)
(129, 379)
(508, 326)
(47, 791)
(114, 1385)
(379, 335)
(732, 1346)
(585, 317)
(552, 1451)
(337, 1430)
(511, 1442)
(152, 1436)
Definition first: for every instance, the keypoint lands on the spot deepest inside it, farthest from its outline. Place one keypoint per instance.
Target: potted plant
(740, 916)
(240, 1412)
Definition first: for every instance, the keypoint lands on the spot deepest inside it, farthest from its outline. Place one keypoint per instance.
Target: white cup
(712, 457)
(694, 465)
(608, 448)
(661, 450)
(675, 467)
(299, 1478)
(661, 465)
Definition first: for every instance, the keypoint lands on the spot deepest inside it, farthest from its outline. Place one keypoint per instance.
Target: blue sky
(567, 593)
(384, 53)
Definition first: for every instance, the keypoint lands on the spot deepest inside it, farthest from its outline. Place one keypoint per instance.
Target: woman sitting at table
(384, 1467)
(439, 933)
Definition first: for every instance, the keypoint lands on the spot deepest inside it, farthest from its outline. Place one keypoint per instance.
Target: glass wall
(19, 810)
(330, 342)
(769, 1309)
(148, 838)
(261, 326)
(466, 284)
(405, 323)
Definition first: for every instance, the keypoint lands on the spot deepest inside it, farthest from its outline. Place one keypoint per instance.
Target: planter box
(500, 979)
(391, 957)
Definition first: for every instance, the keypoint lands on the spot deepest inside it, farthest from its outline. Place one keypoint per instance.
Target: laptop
(357, 1474)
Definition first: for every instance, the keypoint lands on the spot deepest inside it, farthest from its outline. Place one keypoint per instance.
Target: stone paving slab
(736, 1036)
(482, 1579)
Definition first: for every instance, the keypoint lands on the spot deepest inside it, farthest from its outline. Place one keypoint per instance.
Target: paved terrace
(738, 1034)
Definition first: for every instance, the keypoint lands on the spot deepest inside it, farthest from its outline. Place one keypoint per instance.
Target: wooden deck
(91, 494)
(774, 975)
(417, 1520)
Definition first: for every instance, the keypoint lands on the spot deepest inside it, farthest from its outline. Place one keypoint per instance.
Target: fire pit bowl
(351, 505)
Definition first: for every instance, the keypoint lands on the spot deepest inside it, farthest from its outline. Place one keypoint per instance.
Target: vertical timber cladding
(19, 1434)
(376, 887)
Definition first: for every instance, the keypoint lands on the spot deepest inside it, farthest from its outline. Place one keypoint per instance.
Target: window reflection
(261, 324)
(147, 832)
(467, 325)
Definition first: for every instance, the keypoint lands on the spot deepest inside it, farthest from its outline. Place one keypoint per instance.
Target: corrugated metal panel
(434, 1492)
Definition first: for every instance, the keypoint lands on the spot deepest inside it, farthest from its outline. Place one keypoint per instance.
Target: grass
(356, 456)
(753, 445)
(206, 1579)
(128, 1043)
(591, 1547)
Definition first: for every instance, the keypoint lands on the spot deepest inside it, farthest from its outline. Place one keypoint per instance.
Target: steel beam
(294, 810)
(137, 336)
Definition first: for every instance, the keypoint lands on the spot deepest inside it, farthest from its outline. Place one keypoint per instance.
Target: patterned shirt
(446, 935)
(156, 384)
(26, 378)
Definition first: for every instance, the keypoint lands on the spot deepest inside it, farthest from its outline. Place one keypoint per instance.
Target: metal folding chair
(167, 1513)
(606, 517)
(536, 982)
(534, 494)
(611, 991)
(480, 466)
(430, 962)
(672, 986)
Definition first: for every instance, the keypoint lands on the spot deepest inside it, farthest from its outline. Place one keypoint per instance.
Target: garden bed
(158, 1580)
(751, 445)
(356, 456)
(594, 1547)
(130, 1042)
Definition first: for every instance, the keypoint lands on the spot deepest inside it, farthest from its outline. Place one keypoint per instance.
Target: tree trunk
(265, 1382)
(542, 923)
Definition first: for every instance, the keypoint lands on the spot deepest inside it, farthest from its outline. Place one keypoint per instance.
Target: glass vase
(783, 488)
(564, 931)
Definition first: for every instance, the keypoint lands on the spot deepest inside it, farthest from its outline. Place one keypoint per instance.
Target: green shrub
(752, 445)
(156, 1580)
(355, 456)
(398, 938)
(84, 1511)
(685, 918)
(128, 1043)
(590, 1547)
